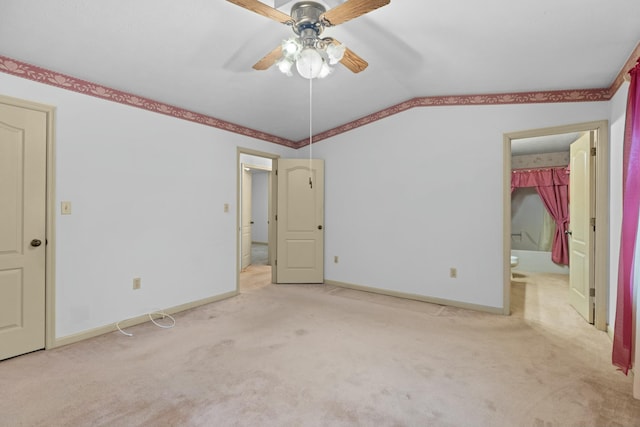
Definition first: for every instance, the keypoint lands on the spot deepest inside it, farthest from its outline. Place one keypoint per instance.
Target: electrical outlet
(65, 208)
(137, 283)
(335, 259)
(453, 272)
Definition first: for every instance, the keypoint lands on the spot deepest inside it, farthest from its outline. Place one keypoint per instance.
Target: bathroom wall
(527, 210)
(537, 262)
(542, 160)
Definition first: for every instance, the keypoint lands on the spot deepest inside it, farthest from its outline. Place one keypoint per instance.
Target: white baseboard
(440, 301)
(91, 333)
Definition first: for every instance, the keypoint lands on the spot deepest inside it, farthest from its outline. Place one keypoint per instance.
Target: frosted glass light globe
(309, 63)
(284, 65)
(335, 53)
(290, 48)
(324, 71)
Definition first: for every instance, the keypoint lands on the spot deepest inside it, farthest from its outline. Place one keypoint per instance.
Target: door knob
(319, 227)
(568, 233)
(35, 243)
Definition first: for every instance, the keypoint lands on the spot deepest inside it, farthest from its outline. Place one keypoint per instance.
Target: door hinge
(592, 292)
(276, 172)
(593, 151)
(276, 217)
(592, 223)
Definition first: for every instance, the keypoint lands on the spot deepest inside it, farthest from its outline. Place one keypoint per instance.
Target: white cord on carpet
(150, 314)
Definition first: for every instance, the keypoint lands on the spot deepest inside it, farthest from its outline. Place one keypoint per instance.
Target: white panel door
(23, 148)
(246, 217)
(581, 210)
(300, 213)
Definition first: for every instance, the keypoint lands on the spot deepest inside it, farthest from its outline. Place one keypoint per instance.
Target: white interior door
(300, 221)
(581, 210)
(23, 147)
(246, 217)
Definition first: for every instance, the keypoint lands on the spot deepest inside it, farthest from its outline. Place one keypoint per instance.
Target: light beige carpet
(303, 355)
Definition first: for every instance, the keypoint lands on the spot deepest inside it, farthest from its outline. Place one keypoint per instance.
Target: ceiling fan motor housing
(306, 16)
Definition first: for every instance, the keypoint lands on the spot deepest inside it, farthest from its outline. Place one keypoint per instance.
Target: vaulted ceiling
(198, 54)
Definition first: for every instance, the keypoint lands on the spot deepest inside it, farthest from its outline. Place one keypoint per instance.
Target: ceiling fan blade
(351, 60)
(351, 9)
(269, 59)
(262, 9)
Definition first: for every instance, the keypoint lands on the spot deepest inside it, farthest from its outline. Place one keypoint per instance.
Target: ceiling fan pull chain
(310, 129)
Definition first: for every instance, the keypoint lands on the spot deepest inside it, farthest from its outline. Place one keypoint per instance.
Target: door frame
(272, 208)
(50, 245)
(601, 246)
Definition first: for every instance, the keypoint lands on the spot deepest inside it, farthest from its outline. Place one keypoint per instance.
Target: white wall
(616, 143)
(419, 192)
(407, 198)
(148, 193)
(260, 206)
(259, 195)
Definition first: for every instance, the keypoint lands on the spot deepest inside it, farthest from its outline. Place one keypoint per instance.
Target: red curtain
(553, 187)
(623, 332)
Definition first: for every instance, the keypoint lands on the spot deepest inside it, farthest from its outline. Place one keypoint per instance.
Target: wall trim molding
(415, 297)
(63, 81)
(545, 97)
(127, 323)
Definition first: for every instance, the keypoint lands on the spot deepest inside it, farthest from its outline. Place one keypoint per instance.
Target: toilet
(514, 262)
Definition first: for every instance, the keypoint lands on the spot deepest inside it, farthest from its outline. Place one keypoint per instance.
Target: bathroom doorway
(533, 143)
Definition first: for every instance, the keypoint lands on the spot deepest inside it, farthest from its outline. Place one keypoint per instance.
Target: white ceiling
(197, 54)
(543, 144)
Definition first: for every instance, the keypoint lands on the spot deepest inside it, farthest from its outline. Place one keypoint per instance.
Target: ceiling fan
(312, 55)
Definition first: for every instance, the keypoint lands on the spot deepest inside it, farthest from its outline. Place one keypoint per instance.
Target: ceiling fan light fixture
(284, 65)
(308, 20)
(309, 63)
(325, 70)
(291, 48)
(335, 53)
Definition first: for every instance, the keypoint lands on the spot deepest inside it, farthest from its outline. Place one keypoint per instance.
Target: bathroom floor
(544, 298)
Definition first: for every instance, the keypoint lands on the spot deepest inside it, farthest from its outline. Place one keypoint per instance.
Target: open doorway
(255, 220)
(544, 137)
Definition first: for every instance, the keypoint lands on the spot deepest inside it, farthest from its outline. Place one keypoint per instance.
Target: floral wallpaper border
(42, 75)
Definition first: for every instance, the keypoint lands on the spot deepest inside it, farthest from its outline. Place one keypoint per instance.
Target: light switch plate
(65, 208)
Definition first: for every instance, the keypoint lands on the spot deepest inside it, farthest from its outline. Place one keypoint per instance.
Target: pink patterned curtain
(553, 187)
(623, 332)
